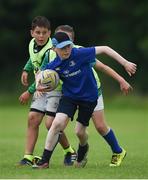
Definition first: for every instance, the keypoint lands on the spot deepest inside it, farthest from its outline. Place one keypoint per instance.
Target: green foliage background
(121, 24)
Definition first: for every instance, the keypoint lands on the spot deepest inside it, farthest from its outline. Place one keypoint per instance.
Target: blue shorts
(85, 109)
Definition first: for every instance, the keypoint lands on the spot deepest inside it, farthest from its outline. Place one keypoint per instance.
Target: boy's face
(41, 35)
(64, 52)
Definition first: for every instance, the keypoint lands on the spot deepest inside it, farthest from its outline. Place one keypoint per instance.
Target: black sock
(46, 155)
(82, 152)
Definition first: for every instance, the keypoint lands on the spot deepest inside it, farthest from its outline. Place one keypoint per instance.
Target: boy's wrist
(125, 63)
(121, 79)
(30, 91)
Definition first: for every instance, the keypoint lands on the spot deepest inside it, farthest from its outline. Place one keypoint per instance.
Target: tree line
(120, 24)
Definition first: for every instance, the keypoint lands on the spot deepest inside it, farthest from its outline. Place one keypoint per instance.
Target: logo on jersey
(71, 74)
(66, 72)
(57, 69)
(72, 63)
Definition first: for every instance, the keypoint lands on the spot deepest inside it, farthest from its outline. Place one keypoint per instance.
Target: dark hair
(40, 21)
(66, 28)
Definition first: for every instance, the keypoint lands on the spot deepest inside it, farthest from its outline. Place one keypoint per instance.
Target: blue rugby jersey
(76, 73)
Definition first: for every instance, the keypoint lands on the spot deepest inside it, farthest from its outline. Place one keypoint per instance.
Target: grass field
(128, 119)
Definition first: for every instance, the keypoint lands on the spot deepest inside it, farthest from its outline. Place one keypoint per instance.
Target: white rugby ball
(49, 78)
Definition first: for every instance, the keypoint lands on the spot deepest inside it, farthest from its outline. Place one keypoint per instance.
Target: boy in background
(47, 103)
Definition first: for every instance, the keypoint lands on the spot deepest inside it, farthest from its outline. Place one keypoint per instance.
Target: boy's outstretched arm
(129, 66)
(124, 85)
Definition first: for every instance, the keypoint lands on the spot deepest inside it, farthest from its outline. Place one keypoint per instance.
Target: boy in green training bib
(47, 103)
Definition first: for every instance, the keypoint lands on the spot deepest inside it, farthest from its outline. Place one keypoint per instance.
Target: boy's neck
(37, 48)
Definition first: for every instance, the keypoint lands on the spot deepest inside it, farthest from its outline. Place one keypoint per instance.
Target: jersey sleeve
(28, 66)
(87, 55)
(32, 88)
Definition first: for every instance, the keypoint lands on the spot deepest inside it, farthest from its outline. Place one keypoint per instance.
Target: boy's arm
(32, 88)
(129, 66)
(27, 68)
(124, 85)
(25, 96)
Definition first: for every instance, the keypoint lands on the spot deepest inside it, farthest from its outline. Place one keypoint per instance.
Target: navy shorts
(85, 109)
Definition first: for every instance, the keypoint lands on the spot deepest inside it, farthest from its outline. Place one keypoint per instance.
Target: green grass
(129, 122)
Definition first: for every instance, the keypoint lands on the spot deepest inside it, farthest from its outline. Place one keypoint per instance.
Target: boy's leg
(52, 105)
(58, 125)
(85, 112)
(36, 114)
(69, 153)
(34, 120)
(81, 133)
(83, 145)
(63, 138)
(109, 136)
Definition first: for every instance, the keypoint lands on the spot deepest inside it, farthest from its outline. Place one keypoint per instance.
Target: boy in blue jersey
(47, 103)
(98, 116)
(74, 66)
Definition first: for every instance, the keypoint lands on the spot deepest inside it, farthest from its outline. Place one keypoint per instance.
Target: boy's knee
(57, 126)
(60, 121)
(33, 121)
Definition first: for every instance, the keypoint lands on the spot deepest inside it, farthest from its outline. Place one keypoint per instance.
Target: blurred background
(120, 24)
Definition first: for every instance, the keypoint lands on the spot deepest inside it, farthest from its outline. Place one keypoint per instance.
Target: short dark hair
(40, 21)
(66, 28)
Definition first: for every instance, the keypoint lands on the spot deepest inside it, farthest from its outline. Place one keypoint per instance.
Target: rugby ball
(49, 79)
